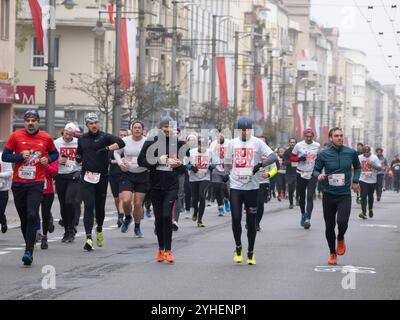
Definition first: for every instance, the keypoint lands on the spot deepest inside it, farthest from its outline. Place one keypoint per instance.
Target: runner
(51, 171)
(115, 180)
(305, 152)
(199, 177)
(26, 148)
(6, 172)
(291, 173)
(370, 166)
(93, 153)
(395, 166)
(281, 176)
(179, 206)
(160, 156)
(264, 174)
(360, 147)
(134, 183)
(218, 150)
(67, 181)
(191, 141)
(243, 156)
(380, 178)
(337, 161)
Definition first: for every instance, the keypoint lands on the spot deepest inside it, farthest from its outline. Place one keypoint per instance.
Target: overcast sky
(355, 32)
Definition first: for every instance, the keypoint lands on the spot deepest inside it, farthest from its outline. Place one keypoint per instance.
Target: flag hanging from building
(262, 96)
(128, 52)
(40, 15)
(314, 126)
(110, 9)
(226, 81)
(300, 123)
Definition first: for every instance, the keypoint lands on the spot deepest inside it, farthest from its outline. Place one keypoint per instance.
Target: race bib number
(132, 162)
(92, 177)
(336, 180)
(27, 172)
(306, 174)
(164, 167)
(295, 164)
(69, 164)
(244, 174)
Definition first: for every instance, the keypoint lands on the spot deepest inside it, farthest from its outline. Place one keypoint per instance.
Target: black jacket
(91, 151)
(161, 180)
(289, 169)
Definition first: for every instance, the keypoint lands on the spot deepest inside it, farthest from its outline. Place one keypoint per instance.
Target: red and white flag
(110, 9)
(226, 81)
(128, 52)
(40, 15)
(300, 123)
(262, 96)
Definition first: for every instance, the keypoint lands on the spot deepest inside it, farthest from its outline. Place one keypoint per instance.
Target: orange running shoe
(160, 256)
(341, 247)
(332, 259)
(169, 257)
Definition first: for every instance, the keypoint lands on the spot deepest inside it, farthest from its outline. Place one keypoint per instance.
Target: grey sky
(355, 32)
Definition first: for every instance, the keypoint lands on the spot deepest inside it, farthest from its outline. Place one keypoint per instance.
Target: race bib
(27, 172)
(201, 173)
(132, 161)
(244, 174)
(295, 164)
(70, 164)
(336, 180)
(220, 168)
(92, 177)
(306, 174)
(164, 167)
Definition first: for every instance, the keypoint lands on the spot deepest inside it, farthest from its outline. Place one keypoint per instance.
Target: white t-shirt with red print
(201, 160)
(310, 151)
(68, 149)
(368, 173)
(244, 155)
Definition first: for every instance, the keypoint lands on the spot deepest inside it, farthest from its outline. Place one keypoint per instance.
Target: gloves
(302, 158)
(105, 149)
(225, 178)
(211, 167)
(191, 167)
(256, 168)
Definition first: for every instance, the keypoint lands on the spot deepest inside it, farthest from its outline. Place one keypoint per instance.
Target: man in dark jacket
(163, 156)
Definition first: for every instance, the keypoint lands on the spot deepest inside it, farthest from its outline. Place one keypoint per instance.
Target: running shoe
(378, 199)
(71, 236)
(99, 239)
(307, 223)
(238, 255)
(303, 219)
(88, 245)
(291, 206)
(43, 244)
(120, 220)
(51, 225)
(169, 257)
(175, 226)
(220, 212)
(4, 227)
(138, 232)
(227, 205)
(251, 259)
(200, 225)
(65, 237)
(358, 200)
(187, 215)
(160, 256)
(258, 228)
(194, 217)
(126, 223)
(371, 213)
(61, 222)
(362, 216)
(332, 259)
(27, 258)
(148, 213)
(341, 247)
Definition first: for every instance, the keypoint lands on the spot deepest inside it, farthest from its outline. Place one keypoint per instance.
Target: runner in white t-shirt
(243, 157)
(305, 153)
(370, 165)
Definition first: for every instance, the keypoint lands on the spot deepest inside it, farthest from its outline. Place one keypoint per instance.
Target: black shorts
(114, 184)
(135, 182)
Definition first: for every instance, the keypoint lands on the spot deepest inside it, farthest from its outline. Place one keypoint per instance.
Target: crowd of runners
(169, 174)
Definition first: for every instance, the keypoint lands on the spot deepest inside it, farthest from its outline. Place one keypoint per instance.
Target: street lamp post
(50, 82)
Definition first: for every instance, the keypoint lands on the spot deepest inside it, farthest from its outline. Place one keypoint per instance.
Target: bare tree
(99, 87)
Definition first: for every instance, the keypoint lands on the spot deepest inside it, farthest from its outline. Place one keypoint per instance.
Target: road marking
(345, 269)
(390, 226)
(4, 252)
(52, 240)
(14, 249)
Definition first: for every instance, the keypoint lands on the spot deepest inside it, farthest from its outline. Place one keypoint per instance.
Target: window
(98, 54)
(38, 57)
(5, 20)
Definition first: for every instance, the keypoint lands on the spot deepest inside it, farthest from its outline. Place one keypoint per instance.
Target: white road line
(52, 240)
(14, 249)
(4, 252)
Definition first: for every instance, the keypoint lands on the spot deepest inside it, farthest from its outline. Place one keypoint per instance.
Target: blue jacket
(334, 161)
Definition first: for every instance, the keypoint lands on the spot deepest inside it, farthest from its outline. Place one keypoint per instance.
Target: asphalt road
(291, 261)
